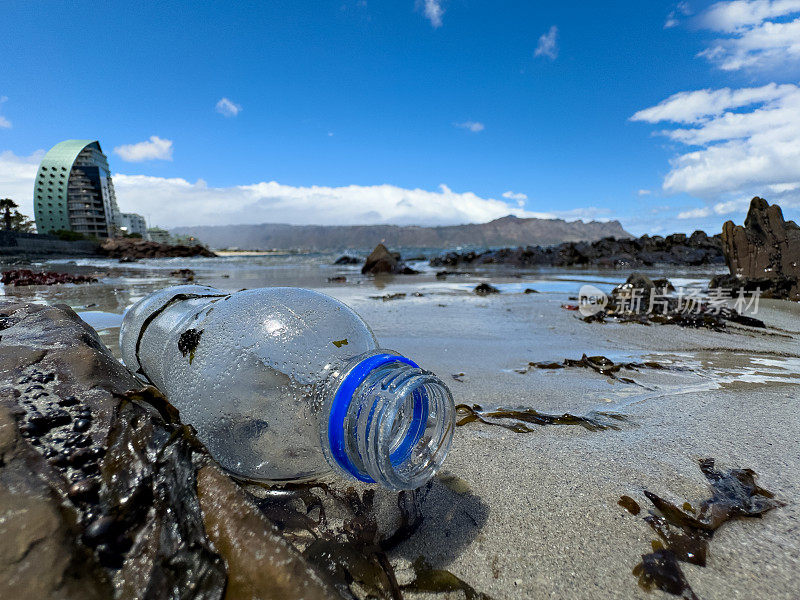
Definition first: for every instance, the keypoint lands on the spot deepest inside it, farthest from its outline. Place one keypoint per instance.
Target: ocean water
(121, 284)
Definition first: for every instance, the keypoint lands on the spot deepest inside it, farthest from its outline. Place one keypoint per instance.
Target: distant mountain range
(506, 231)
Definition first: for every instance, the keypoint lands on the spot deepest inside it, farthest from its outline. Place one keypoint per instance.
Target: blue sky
(404, 111)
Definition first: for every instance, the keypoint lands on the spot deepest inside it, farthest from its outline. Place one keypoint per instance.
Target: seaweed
(519, 417)
(600, 364)
(340, 343)
(188, 342)
(685, 532)
(389, 297)
(428, 579)
(337, 532)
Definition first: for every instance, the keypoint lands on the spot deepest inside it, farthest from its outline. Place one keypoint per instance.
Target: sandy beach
(536, 514)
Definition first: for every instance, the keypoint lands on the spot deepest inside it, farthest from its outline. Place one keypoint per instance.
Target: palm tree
(7, 205)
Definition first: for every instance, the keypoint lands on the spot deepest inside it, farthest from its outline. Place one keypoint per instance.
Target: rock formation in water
(128, 249)
(675, 249)
(383, 261)
(764, 254)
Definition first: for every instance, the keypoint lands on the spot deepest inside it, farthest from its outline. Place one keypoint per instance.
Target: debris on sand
(685, 531)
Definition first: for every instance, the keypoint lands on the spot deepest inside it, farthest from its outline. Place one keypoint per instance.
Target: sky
(668, 116)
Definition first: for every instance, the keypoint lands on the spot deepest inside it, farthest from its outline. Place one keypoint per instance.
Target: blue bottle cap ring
(341, 405)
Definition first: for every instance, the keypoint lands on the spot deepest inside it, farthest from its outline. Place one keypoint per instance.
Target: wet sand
(535, 514)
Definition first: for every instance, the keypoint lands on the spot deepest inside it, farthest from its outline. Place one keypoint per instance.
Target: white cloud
(155, 148)
(757, 34)
(682, 9)
(433, 11)
(176, 201)
(695, 213)
(644, 192)
(4, 123)
(730, 17)
(516, 196)
(228, 108)
(743, 142)
(548, 45)
(473, 126)
(17, 174)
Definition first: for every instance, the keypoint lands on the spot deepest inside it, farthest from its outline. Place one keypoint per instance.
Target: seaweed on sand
(684, 531)
(600, 364)
(338, 532)
(517, 419)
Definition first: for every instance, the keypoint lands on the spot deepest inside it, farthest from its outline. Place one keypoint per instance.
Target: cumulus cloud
(755, 34)
(473, 126)
(176, 201)
(548, 44)
(227, 108)
(739, 143)
(644, 192)
(4, 123)
(433, 11)
(155, 148)
(17, 174)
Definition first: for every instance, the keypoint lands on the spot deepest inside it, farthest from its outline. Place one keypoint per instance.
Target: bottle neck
(389, 422)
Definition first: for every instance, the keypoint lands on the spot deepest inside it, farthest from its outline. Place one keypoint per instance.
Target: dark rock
(19, 277)
(484, 289)
(347, 260)
(337, 279)
(134, 249)
(676, 249)
(765, 253)
(531, 291)
(383, 261)
(380, 261)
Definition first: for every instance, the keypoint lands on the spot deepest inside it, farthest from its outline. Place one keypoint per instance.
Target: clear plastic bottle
(283, 384)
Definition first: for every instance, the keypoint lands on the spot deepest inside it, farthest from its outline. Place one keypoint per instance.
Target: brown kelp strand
(519, 420)
(684, 532)
(599, 364)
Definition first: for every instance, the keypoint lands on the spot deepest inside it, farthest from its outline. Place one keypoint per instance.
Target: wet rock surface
(763, 254)
(383, 261)
(131, 249)
(675, 249)
(98, 477)
(20, 277)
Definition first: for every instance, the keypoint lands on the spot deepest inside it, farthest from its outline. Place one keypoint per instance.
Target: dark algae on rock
(684, 532)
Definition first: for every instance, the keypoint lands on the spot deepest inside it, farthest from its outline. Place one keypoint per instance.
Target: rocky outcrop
(19, 277)
(764, 254)
(128, 249)
(383, 261)
(104, 493)
(675, 249)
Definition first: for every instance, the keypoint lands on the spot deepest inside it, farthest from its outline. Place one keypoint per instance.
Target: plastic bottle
(284, 384)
